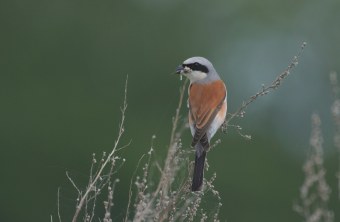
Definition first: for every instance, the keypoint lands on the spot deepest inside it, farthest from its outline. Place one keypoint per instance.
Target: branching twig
(107, 160)
(263, 91)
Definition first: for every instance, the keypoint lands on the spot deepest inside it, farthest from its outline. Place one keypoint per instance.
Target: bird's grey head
(198, 69)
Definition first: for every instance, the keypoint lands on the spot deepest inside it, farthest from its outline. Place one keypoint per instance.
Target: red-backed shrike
(207, 105)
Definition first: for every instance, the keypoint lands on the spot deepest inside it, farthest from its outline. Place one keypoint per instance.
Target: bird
(207, 103)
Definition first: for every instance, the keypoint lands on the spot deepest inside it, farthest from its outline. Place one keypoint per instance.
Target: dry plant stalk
(263, 91)
(171, 199)
(315, 192)
(335, 110)
(99, 179)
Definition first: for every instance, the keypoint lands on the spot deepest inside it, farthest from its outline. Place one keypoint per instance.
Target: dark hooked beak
(179, 69)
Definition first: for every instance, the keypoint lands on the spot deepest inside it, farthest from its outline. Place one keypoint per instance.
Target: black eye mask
(197, 67)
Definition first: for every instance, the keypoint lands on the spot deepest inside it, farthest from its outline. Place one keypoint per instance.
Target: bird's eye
(196, 64)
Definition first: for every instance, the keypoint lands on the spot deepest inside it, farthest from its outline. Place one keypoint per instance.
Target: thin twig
(172, 138)
(130, 189)
(58, 204)
(73, 183)
(94, 205)
(264, 90)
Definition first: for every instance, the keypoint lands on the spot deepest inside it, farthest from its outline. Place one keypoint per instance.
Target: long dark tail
(197, 180)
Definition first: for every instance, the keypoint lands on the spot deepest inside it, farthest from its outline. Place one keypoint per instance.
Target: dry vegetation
(167, 196)
(315, 192)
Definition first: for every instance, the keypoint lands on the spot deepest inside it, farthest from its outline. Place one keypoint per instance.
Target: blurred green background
(63, 65)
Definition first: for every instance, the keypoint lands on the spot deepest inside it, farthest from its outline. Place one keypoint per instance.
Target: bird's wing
(205, 101)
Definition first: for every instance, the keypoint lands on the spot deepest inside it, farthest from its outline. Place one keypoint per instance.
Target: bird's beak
(179, 69)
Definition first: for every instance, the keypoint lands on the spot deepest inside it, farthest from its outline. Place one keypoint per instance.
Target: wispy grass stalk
(315, 192)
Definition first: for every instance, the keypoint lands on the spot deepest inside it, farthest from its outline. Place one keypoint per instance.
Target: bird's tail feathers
(197, 180)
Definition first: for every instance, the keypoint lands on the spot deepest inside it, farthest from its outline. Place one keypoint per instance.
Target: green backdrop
(63, 66)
